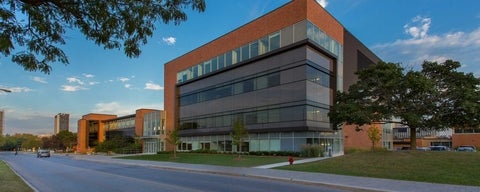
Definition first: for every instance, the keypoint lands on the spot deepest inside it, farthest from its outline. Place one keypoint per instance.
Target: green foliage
(309, 150)
(238, 135)
(423, 166)
(374, 135)
(213, 159)
(67, 138)
(19, 141)
(11, 182)
(174, 139)
(119, 144)
(437, 97)
(40, 26)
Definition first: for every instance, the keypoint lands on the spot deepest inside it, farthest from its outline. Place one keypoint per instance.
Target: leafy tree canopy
(436, 97)
(39, 26)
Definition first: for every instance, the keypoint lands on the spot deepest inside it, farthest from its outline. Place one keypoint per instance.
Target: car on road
(43, 153)
(467, 148)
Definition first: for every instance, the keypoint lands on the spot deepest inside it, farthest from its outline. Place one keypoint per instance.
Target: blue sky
(106, 81)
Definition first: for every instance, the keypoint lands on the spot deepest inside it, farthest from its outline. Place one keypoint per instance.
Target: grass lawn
(213, 159)
(10, 182)
(462, 168)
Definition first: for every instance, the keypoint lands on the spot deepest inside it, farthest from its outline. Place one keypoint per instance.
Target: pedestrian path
(269, 166)
(346, 182)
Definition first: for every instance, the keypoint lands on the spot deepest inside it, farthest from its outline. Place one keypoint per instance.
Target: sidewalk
(361, 183)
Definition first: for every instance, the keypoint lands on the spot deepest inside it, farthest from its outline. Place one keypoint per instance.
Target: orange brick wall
(353, 139)
(82, 132)
(466, 139)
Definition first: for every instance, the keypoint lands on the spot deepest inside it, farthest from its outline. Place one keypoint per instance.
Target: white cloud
(121, 109)
(169, 40)
(88, 75)
(419, 27)
(152, 86)
(323, 3)
(423, 45)
(39, 79)
(128, 85)
(109, 108)
(72, 88)
(75, 80)
(15, 89)
(123, 79)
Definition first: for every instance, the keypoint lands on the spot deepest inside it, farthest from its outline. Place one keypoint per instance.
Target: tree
(39, 26)
(428, 99)
(374, 135)
(238, 135)
(67, 138)
(174, 139)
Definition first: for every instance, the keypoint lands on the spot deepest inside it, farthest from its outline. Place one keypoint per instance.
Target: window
(214, 64)
(262, 82)
(235, 56)
(251, 118)
(317, 114)
(228, 58)
(274, 41)
(273, 115)
(245, 52)
(237, 88)
(207, 66)
(248, 85)
(221, 61)
(263, 46)
(253, 49)
(273, 79)
(317, 76)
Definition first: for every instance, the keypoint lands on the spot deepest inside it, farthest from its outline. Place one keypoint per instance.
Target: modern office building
(148, 125)
(2, 122)
(61, 123)
(277, 75)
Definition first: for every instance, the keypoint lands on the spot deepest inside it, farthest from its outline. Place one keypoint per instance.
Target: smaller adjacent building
(466, 137)
(425, 138)
(356, 137)
(148, 125)
(61, 123)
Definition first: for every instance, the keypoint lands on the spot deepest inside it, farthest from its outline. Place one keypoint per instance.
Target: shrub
(309, 150)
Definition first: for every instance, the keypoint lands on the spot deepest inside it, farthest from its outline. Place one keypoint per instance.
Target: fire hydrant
(290, 160)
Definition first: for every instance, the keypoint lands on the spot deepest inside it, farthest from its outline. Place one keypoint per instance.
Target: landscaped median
(9, 181)
(461, 168)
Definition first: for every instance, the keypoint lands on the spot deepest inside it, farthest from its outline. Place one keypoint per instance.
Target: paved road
(344, 182)
(73, 173)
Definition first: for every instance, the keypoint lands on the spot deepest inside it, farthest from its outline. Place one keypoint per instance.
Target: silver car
(43, 153)
(467, 148)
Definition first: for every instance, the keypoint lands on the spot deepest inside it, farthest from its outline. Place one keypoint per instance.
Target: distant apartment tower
(2, 122)
(61, 122)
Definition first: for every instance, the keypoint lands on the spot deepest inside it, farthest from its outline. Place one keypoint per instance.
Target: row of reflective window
(286, 114)
(262, 82)
(153, 124)
(245, 86)
(120, 123)
(284, 37)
